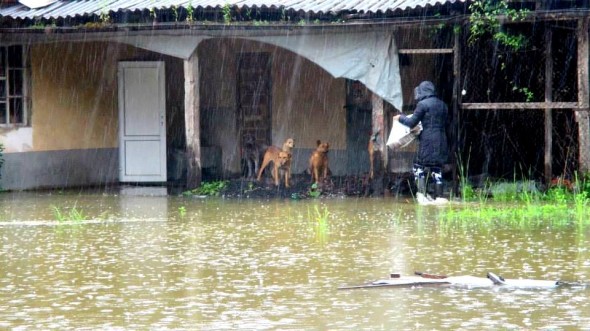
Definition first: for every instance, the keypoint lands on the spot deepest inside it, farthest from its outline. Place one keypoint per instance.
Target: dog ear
(318, 142)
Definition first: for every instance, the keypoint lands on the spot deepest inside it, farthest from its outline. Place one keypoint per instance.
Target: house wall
(307, 103)
(73, 137)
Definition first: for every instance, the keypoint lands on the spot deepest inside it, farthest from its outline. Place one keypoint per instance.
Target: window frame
(25, 88)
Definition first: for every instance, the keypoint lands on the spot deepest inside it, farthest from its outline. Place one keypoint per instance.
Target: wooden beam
(548, 150)
(583, 98)
(456, 101)
(426, 51)
(380, 156)
(192, 121)
(520, 105)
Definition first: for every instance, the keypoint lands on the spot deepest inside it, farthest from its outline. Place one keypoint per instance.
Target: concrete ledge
(59, 169)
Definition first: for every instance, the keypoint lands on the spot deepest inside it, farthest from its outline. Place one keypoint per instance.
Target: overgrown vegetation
(213, 188)
(485, 20)
(522, 201)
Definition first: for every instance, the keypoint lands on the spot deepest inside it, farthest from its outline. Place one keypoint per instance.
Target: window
(14, 108)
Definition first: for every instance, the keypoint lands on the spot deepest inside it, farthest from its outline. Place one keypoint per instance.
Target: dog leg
(287, 178)
(371, 164)
(316, 175)
(265, 163)
(275, 174)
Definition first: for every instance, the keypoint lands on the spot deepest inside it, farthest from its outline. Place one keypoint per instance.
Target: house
(104, 92)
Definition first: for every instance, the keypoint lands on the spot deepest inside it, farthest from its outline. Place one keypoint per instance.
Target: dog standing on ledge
(318, 162)
(281, 159)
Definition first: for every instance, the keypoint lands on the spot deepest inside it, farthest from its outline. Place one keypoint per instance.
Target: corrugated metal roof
(65, 8)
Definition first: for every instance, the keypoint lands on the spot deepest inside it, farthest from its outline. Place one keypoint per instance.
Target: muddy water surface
(139, 263)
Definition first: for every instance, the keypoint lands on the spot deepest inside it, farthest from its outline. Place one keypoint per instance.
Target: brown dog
(318, 162)
(372, 144)
(281, 159)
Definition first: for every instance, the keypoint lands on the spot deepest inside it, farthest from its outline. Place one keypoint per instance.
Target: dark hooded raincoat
(432, 112)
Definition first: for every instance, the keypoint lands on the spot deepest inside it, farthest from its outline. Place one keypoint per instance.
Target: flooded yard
(185, 263)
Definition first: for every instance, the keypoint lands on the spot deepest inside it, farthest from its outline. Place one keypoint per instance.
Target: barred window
(14, 108)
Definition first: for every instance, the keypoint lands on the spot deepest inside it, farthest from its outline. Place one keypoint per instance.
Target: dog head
(284, 157)
(322, 147)
(289, 144)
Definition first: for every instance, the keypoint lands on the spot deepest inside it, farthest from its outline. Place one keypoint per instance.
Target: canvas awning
(369, 57)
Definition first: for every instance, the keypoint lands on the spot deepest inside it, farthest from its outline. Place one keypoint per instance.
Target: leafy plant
(190, 10)
(484, 19)
(226, 11)
(182, 211)
(213, 188)
(314, 191)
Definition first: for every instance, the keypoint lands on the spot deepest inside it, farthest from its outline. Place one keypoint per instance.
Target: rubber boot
(421, 184)
(438, 190)
(421, 196)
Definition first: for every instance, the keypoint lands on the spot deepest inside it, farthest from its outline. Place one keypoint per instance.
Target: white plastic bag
(401, 135)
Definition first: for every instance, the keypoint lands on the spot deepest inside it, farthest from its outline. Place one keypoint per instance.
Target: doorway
(142, 122)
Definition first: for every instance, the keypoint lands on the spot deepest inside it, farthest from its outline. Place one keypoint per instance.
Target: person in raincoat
(433, 152)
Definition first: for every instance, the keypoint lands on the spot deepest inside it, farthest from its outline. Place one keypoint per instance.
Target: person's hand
(396, 118)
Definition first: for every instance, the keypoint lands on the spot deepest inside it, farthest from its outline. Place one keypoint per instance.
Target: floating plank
(459, 281)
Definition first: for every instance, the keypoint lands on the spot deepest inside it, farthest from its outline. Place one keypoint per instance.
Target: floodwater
(180, 263)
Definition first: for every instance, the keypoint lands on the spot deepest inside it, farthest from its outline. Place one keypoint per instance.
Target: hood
(424, 90)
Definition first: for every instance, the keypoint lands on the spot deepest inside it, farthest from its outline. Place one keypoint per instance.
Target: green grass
(521, 202)
(320, 221)
(72, 214)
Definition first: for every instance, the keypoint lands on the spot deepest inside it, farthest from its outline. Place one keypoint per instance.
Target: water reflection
(213, 264)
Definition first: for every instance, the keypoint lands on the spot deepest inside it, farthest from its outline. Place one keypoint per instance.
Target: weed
(182, 211)
(226, 10)
(72, 214)
(467, 191)
(175, 13)
(190, 10)
(321, 224)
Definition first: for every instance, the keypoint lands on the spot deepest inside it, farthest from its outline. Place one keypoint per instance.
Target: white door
(142, 122)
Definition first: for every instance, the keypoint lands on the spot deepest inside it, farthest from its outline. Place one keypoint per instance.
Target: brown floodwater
(180, 263)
